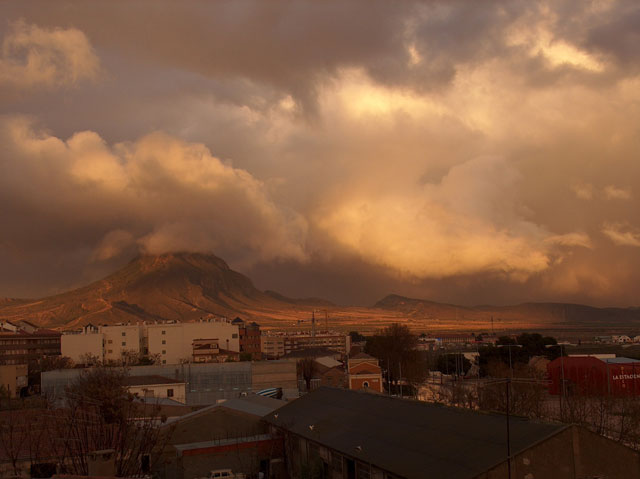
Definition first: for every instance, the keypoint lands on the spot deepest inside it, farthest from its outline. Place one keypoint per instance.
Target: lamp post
(561, 346)
(509, 346)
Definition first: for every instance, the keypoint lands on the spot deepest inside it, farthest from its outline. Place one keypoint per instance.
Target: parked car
(224, 474)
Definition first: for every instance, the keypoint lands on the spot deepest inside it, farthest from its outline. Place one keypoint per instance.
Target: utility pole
(508, 384)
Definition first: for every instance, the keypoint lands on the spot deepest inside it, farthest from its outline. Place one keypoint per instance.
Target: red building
(249, 336)
(595, 376)
(364, 373)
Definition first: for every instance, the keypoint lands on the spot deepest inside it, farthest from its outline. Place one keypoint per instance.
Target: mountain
(531, 315)
(180, 286)
(189, 286)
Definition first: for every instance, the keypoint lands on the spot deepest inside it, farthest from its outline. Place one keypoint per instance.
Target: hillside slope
(183, 286)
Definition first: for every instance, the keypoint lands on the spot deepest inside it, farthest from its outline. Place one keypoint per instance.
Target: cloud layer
(459, 151)
(45, 57)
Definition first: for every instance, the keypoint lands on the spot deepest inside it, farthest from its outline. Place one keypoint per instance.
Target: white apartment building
(79, 346)
(173, 342)
(121, 340)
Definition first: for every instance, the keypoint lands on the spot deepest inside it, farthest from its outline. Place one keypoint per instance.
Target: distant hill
(189, 286)
(547, 314)
(181, 286)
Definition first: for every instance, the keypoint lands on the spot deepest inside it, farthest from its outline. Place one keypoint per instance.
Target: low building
(621, 339)
(355, 435)
(364, 373)
(227, 435)
(588, 375)
(208, 351)
(154, 386)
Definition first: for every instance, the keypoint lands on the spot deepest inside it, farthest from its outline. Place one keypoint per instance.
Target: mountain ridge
(188, 286)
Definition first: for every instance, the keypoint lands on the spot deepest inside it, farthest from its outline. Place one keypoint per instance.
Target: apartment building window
(164, 351)
(363, 471)
(110, 351)
(164, 332)
(124, 333)
(164, 341)
(124, 343)
(164, 361)
(234, 335)
(169, 393)
(110, 341)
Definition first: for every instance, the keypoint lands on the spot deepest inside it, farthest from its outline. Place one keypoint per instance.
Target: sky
(459, 151)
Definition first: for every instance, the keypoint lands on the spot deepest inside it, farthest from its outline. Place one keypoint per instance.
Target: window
(164, 332)
(164, 361)
(234, 335)
(124, 343)
(365, 384)
(169, 393)
(124, 333)
(164, 351)
(110, 351)
(164, 341)
(110, 341)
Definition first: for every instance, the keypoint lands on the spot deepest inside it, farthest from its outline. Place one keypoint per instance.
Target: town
(224, 398)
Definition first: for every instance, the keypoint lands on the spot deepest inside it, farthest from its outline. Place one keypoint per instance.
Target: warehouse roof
(407, 437)
(150, 380)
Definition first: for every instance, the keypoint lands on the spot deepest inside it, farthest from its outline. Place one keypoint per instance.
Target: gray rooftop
(620, 360)
(407, 437)
(251, 404)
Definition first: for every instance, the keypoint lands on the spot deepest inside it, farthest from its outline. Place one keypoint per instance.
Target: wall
(14, 377)
(74, 346)
(574, 453)
(161, 391)
(206, 383)
(597, 456)
(267, 374)
(115, 336)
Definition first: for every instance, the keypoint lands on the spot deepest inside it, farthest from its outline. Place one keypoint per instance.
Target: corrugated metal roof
(620, 360)
(253, 404)
(405, 437)
(148, 380)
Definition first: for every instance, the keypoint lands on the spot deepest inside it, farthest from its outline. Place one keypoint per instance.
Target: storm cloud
(462, 151)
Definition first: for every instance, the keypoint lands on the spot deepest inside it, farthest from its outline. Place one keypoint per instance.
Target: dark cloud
(465, 151)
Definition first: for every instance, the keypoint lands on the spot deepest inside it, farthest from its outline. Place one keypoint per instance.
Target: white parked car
(224, 474)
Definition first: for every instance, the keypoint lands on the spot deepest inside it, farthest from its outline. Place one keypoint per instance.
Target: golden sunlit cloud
(33, 56)
(621, 234)
(183, 197)
(614, 193)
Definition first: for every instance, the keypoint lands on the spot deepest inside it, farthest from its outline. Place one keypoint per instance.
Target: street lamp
(510, 346)
(561, 346)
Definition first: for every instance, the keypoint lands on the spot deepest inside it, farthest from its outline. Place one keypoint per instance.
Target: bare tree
(307, 368)
(101, 414)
